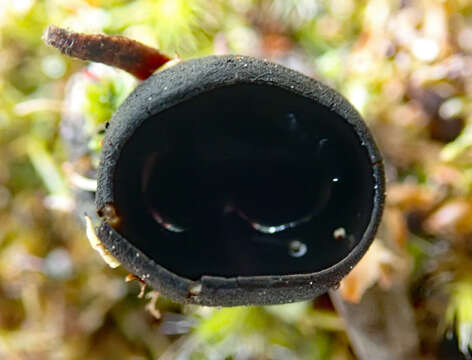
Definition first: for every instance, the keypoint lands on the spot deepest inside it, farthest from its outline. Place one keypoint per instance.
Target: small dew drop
(297, 248)
(339, 233)
(337, 286)
(271, 229)
(150, 98)
(335, 179)
(195, 289)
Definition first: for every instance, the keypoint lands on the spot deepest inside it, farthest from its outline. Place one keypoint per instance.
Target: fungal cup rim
(186, 80)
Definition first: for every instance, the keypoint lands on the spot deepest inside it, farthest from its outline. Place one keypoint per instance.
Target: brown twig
(118, 51)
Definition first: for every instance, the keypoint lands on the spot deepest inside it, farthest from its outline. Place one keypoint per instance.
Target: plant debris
(118, 51)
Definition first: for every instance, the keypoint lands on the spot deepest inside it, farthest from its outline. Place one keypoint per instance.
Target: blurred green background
(405, 65)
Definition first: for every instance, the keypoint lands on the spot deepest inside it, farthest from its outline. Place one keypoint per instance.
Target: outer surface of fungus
(230, 176)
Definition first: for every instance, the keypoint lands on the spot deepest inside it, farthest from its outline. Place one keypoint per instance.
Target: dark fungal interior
(244, 180)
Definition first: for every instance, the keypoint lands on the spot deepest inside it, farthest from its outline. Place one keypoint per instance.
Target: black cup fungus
(229, 180)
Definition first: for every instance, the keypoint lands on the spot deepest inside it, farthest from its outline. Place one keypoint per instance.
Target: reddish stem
(118, 51)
